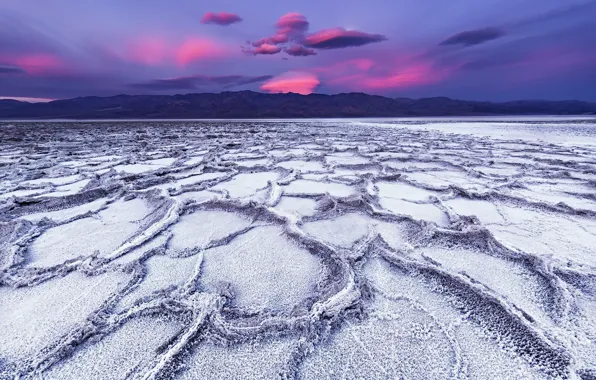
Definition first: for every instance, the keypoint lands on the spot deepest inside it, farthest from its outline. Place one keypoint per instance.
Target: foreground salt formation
(309, 250)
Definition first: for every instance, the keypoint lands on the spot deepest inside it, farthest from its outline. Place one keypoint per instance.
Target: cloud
(338, 38)
(158, 51)
(533, 59)
(297, 82)
(299, 51)
(383, 74)
(290, 27)
(294, 25)
(567, 47)
(566, 12)
(30, 47)
(416, 74)
(198, 49)
(35, 64)
(276, 39)
(147, 51)
(221, 18)
(200, 81)
(26, 99)
(474, 37)
(264, 49)
(11, 70)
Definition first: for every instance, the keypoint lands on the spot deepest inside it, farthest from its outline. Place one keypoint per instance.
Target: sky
(495, 50)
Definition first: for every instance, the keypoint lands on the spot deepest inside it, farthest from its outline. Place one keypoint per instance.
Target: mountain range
(250, 104)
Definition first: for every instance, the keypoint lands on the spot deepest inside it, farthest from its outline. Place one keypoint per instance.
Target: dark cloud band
(474, 37)
(221, 18)
(199, 81)
(11, 70)
(340, 38)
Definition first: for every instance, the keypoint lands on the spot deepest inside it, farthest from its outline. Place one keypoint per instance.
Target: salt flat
(323, 249)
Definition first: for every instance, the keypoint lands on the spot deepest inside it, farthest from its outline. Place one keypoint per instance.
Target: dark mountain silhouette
(249, 104)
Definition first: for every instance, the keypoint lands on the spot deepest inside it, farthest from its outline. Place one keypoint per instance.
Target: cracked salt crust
(302, 249)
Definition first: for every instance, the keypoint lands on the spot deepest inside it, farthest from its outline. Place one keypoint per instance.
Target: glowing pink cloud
(292, 24)
(410, 76)
(199, 49)
(266, 49)
(292, 28)
(298, 82)
(289, 27)
(221, 18)
(36, 64)
(148, 51)
(380, 75)
(273, 40)
(161, 52)
(363, 64)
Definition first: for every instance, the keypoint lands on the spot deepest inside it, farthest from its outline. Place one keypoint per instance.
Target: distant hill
(249, 104)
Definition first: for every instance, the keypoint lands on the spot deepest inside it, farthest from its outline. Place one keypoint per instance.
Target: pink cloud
(382, 75)
(276, 39)
(298, 82)
(162, 52)
(36, 64)
(292, 25)
(289, 27)
(221, 18)
(410, 76)
(198, 49)
(148, 51)
(363, 64)
(266, 49)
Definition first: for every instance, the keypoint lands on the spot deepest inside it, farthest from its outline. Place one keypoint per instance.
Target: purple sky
(467, 49)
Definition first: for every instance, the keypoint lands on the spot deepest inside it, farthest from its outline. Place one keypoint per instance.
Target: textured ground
(308, 250)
